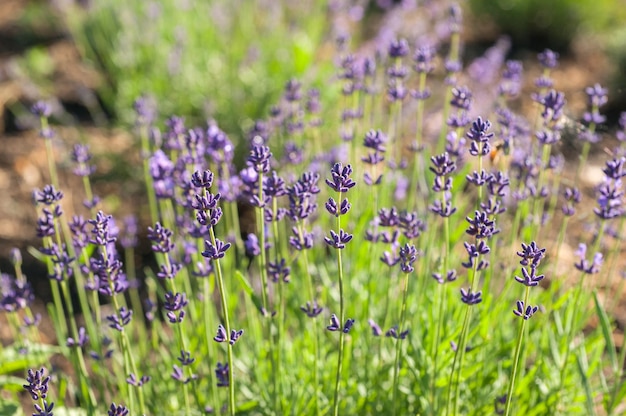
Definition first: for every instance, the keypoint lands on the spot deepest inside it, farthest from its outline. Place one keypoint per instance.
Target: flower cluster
(531, 255)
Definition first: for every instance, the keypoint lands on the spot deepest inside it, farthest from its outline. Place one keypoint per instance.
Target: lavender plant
(233, 325)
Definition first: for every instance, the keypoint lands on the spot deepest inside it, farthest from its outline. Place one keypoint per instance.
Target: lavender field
(333, 208)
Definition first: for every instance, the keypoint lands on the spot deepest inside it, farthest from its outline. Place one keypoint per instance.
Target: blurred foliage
(538, 24)
(616, 48)
(224, 59)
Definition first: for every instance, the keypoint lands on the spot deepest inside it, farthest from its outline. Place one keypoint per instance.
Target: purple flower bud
(37, 385)
(334, 323)
(311, 309)
(185, 358)
(202, 180)
(398, 48)
(119, 321)
(376, 331)
(41, 109)
(117, 410)
(470, 298)
(338, 241)
(82, 340)
(340, 181)
(48, 195)
(235, 335)
(161, 237)
(222, 374)
(221, 334)
(216, 251)
(526, 313)
(548, 59)
(259, 159)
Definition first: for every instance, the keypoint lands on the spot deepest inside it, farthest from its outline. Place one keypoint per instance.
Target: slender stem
(223, 301)
(518, 350)
(341, 321)
(396, 366)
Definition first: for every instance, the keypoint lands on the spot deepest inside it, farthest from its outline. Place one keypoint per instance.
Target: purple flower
(41, 109)
(531, 278)
(15, 294)
(251, 245)
(393, 333)
(119, 321)
(162, 237)
(443, 165)
(335, 325)
(610, 199)
(548, 59)
(443, 209)
(470, 298)
(311, 309)
(572, 198)
(333, 209)
(110, 278)
(82, 340)
(134, 381)
(48, 195)
(340, 181)
(80, 154)
(301, 241)
(117, 410)
(398, 48)
(37, 384)
(235, 335)
(185, 358)
(177, 374)
(423, 59)
(45, 410)
(375, 140)
(479, 137)
(292, 90)
(222, 374)
(202, 180)
(338, 241)
(376, 331)
(259, 159)
(102, 233)
(174, 304)
(461, 98)
(348, 325)
(553, 103)
(145, 109)
(526, 313)
(615, 169)
(408, 256)
(221, 334)
(216, 251)
(278, 270)
(531, 254)
(162, 170)
(585, 265)
(511, 79)
(481, 226)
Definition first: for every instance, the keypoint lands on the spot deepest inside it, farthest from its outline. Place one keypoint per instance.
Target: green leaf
(10, 408)
(12, 359)
(247, 287)
(606, 332)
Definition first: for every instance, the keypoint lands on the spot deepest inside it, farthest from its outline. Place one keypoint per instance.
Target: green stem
(223, 300)
(396, 366)
(341, 320)
(518, 350)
